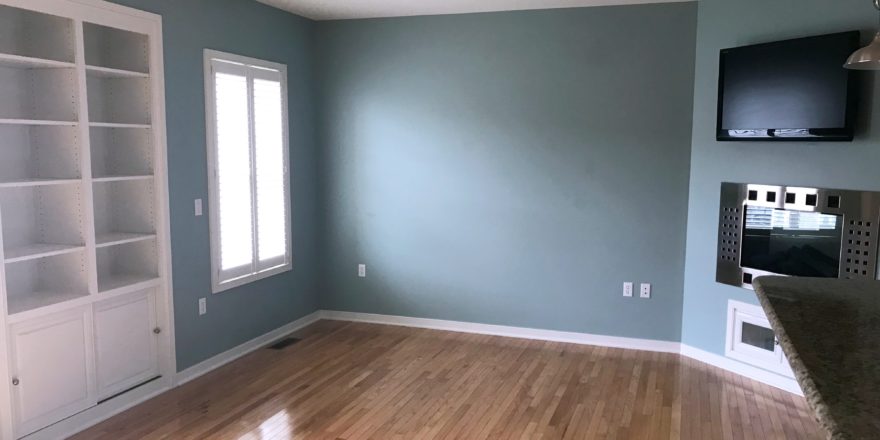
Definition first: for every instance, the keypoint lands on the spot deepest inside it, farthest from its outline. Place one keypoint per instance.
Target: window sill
(218, 287)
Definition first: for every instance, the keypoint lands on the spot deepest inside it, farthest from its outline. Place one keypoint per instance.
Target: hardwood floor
(365, 381)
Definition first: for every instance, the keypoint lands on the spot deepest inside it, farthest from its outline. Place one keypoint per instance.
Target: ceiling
(348, 9)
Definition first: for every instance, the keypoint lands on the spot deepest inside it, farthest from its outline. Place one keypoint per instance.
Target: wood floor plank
(353, 381)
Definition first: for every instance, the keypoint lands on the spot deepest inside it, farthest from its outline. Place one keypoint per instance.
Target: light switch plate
(203, 306)
(198, 207)
(628, 289)
(645, 291)
(362, 270)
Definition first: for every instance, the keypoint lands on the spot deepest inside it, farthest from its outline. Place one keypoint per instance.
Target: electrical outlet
(203, 306)
(645, 291)
(362, 270)
(628, 289)
(198, 207)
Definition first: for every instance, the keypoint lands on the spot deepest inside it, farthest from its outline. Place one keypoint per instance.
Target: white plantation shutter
(233, 170)
(247, 146)
(271, 173)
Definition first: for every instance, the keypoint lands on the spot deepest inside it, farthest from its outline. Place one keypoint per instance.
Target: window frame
(219, 284)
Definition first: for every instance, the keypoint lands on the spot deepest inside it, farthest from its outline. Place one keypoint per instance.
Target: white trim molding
(739, 314)
(97, 414)
(784, 383)
(89, 418)
(746, 370)
(234, 353)
(511, 332)
(251, 70)
(342, 10)
(116, 405)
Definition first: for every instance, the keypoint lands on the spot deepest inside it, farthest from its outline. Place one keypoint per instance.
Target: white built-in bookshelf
(83, 201)
(43, 189)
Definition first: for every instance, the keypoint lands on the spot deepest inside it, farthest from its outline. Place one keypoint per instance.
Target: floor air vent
(284, 343)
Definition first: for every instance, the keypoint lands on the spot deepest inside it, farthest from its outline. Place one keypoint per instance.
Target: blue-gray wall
(508, 168)
(252, 29)
(726, 23)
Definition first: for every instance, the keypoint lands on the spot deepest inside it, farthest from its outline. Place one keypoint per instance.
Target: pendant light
(868, 57)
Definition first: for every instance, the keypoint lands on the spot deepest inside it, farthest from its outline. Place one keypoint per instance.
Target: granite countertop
(830, 331)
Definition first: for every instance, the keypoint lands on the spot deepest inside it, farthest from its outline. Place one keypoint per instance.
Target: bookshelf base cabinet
(126, 336)
(51, 384)
(85, 294)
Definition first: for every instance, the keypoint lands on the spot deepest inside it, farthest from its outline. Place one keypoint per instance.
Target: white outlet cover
(645, 291)
(362, 270)
(628, 289)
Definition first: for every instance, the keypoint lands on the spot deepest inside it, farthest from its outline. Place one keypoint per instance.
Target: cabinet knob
(157, 330)
(15, 381)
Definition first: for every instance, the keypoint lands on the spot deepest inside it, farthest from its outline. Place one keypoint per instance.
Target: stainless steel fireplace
(796, 231)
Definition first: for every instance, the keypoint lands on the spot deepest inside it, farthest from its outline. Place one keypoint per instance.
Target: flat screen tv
(788, 90)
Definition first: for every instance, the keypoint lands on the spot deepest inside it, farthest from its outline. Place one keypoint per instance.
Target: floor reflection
(355, 381)
(277, 427)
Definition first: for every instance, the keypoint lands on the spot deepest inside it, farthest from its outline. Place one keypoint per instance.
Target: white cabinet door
(125, 345)
(751, 339)
(52, 369)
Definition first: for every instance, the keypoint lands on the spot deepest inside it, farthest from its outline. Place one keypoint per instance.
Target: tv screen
(788, 90)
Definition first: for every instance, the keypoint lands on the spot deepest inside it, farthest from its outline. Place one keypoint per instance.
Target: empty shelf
(39, 250)
(116, 48)
(36, 182)
(121, 178)
(116, 238)
(116, 125)
(107, 72)
(9, 60)
(14, 121)
(114, 282)
(36, 300)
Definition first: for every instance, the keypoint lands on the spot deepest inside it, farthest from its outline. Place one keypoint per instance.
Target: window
(246, 105)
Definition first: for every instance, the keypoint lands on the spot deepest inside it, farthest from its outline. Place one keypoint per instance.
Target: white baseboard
(234, 353)
(754, 373)
(751, 372)
(503, 330)
(98, 414)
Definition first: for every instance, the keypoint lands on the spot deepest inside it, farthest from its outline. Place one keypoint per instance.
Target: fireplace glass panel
(792, 243)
